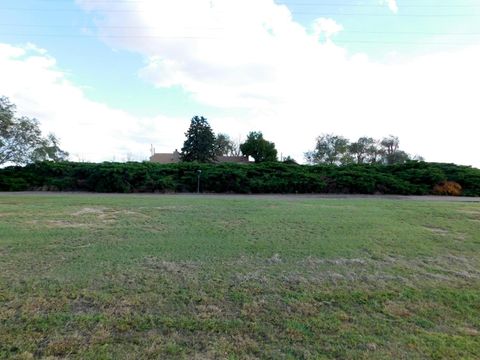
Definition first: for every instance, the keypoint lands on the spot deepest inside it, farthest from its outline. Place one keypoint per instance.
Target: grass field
(140, 277)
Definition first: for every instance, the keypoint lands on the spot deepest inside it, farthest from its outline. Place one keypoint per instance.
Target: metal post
(199, 172)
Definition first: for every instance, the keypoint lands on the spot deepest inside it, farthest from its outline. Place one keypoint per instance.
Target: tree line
(21, 142)
(335, 149)
(201, 145)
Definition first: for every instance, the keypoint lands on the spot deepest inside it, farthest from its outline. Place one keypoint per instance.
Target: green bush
(411, 178)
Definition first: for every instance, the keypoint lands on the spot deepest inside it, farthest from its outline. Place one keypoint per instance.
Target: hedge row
(412, 178)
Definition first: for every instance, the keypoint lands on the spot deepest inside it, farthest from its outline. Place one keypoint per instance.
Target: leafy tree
(364, 150)
(391, 151)
(330, 149)
(200, 143)
(259, 148)
(224, 145)
(236, 151)
(21, 141)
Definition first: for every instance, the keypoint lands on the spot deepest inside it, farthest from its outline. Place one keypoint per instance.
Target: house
(173, 158)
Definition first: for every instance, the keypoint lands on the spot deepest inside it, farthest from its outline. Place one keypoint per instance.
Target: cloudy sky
(111, 77)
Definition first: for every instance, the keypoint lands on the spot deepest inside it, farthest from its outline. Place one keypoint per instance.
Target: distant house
(173, 158)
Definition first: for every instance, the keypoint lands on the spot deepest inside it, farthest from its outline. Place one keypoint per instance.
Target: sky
(112, 77)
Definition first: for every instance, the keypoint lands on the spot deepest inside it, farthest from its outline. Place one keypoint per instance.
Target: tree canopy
(259, 148)
(329, 149)
(200, 142)
(21, 140)
(224, 145)
(335, 149)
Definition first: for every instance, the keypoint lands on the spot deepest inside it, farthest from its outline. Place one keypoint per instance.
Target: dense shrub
(411, 178)
(451, 188)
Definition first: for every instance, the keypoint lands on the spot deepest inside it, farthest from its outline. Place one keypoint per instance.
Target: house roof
(164, 158)
(172, 158)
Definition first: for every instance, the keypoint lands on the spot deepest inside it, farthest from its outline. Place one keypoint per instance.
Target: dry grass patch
(90, 211)
(185, 268)
(65, 224)
(437, 230)
(397, 309)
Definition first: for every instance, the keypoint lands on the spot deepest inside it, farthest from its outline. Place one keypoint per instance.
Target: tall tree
(223, 145)
(329, 149)
(364, 150)
(21, 141)
(200, 142)
(259, 148)
(391, 151)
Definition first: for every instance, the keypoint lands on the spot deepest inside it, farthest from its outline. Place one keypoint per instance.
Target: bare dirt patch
(172, 208)
(65, 224)
(255, 276)
(437, 230)
(471, 215)
(107, 216)
(275, 259)
(470, 212)
(469, 331)
(90, 211)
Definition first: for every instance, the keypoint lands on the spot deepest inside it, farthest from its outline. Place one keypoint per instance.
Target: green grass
(139, 277)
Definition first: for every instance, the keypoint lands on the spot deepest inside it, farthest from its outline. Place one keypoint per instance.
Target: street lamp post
(199, 173)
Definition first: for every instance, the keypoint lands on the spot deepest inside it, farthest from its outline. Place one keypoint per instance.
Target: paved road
(262, 196)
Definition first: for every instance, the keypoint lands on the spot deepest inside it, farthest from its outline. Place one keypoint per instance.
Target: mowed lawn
(160, 277)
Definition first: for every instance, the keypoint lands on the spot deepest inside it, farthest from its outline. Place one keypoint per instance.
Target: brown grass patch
(84, 306)
(255, 276)
(208, 311)
(90, 211)
(65, 224)
(304, 308)
(437, 230)
(397, 309)
(469, 331)
(470, 212)
(171, 208)
(171, 267)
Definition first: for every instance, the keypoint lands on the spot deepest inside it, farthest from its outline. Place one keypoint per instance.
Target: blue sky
(147, 60)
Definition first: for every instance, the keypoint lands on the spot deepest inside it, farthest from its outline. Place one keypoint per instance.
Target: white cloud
(251, 55)
(88, 130)
(326, 27)
(392, 5)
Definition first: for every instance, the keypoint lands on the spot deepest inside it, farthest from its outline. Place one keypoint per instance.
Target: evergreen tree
(200, 143)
